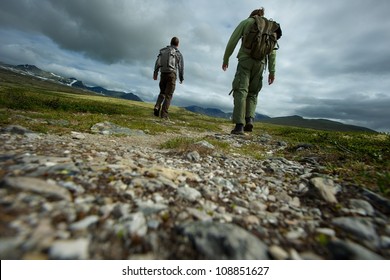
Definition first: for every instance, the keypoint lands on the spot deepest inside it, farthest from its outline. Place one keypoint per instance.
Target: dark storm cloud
(110, 31)
(337, 37)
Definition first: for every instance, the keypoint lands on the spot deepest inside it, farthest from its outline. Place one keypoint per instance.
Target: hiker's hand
(155, 75)
(225, 67)
(271, 79)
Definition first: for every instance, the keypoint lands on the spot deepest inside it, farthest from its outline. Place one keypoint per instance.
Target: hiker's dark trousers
(167, 87)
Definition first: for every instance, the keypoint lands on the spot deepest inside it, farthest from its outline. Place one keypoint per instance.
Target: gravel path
(99, 196)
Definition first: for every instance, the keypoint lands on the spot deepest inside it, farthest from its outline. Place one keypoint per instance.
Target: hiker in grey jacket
(169, 62)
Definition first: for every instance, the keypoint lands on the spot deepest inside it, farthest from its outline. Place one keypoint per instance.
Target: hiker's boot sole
(237, 132)
(248, 127)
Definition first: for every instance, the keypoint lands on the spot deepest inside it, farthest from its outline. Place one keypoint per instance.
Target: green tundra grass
(358, 158)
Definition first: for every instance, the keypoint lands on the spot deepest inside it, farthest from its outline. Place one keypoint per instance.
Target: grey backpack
(168, 59)
(262, 37)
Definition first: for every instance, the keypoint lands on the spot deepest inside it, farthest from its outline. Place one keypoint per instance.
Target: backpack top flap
(168, 59)
(261, 39)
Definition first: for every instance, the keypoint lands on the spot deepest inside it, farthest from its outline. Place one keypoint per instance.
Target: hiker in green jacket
(248, 79)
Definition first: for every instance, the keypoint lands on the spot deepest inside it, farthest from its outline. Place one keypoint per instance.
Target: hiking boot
(249, 124)
(156, 111)
(238, 129)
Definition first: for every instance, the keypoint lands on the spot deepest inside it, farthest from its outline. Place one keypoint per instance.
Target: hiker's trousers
(167, 88)
(247, 84)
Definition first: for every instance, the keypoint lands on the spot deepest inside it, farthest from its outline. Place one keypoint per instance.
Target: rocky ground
(99, 196)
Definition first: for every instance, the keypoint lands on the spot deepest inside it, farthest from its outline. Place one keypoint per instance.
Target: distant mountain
(212, 112)
(217, 113)
(320, 124)
(106, 92)
(34, 71)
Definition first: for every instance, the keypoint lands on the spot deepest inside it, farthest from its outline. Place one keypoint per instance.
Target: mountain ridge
(32, 70)
(321, 124)
(215, 112)
(297, 121)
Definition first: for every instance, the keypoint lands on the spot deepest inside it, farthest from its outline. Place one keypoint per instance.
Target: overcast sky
(333, 61)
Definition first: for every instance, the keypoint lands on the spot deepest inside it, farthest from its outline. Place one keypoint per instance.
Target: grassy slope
(359, 158)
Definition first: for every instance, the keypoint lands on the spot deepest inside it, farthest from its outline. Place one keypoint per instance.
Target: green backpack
(262, 37)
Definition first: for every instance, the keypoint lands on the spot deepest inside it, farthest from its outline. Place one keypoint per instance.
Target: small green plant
(179, 143)
(384, 183)
(322, 239)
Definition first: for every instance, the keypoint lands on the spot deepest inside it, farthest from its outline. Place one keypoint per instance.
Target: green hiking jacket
(237, 34)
